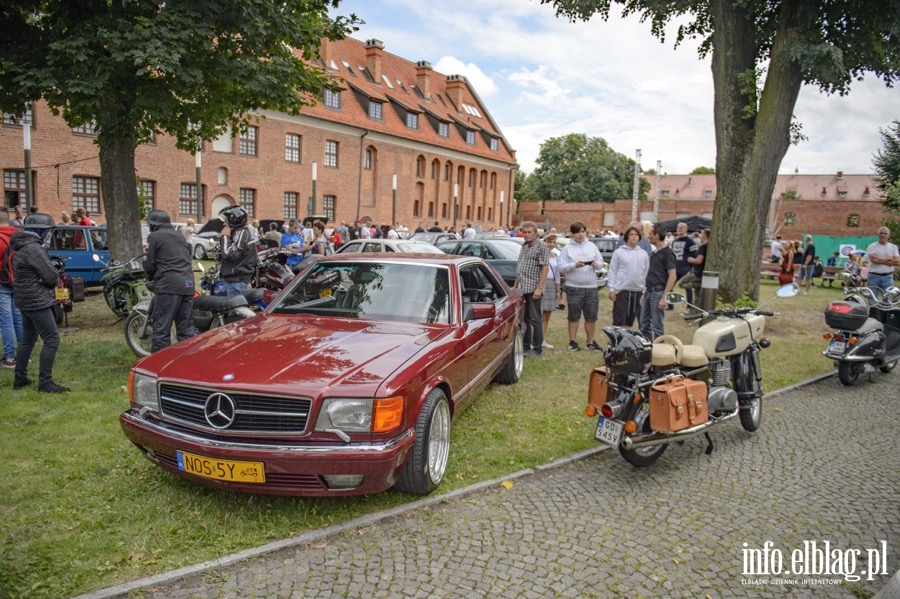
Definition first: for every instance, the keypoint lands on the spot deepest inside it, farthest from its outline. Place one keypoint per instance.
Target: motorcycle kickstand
(710, 447)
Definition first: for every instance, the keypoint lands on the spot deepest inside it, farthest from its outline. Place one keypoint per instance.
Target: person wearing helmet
(170, 270)
(238, 252)
(36, 279)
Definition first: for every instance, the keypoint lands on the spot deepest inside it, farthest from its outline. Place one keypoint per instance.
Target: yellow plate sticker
(62, 294)
(325, 293)
(226, 470)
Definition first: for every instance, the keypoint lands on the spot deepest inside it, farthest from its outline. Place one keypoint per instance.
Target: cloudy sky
(542, 77)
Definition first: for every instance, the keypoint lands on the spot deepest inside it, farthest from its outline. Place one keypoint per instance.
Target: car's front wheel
(199, 252)
(427, 461)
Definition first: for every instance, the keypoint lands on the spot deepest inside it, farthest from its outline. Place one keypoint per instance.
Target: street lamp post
(197, 163)
(312, 199)
(26, 143)
(455, 204)
(394, 201)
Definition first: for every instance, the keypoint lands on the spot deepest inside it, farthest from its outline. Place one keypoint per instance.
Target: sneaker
(594, 346)
(546, 345)
(19, 384)
(530, 353)
(573, 346)
(52, 387)
(8, 362)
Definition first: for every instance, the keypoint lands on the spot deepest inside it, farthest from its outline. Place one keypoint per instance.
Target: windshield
(421, 248)
(506, 250)
(394, 292)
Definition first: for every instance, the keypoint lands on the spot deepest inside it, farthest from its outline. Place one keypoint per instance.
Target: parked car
(374, 246)
(202, 246)
(606, 245)
(433, 238)
(499, 253)
(347, 384)
(75, 245)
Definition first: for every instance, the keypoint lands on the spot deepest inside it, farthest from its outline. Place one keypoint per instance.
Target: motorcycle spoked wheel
(140, 345)
(643, 456)
(848, 372)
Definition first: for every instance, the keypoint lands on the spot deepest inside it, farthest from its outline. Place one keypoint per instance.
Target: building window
(248, 141)
(435, 169)
(147, 194)
(292, 147)
(328, 203)
(412, 120)
(470, 138)
(187, 199)
(707, 193)
(472, 178)
(375, 110)
(367, 161)
(86, 129)
(333, 97)
(495, 144)
(13, 188)
(86, 193)
(842, 194)
(290, 205)
(853, 220)
(790, 218)
(248, 201)
(416, 209)
(420, 167)
(331, 153)
(19, 119)
(223, 175)
(430, 209)
(444, 129)
(447, 168)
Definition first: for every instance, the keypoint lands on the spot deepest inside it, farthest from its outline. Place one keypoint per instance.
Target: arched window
(420, 167)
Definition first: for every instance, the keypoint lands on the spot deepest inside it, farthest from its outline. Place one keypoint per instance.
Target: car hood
(294, 355)
(213, 225)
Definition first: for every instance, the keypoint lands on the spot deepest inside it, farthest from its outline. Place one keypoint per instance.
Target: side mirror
(675, 298)
(789, 290)
(96, 258)
(478, 311)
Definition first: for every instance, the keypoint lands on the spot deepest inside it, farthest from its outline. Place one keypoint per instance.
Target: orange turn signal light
(630, 427)
(826, 336)
(853, 340)
(637, 399)
(131, 386)
(590, 411)
(387, 414)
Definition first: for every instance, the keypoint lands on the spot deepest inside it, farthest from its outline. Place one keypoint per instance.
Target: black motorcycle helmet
(157, 218)
(39, 223)
(235, 216)
(626, 350)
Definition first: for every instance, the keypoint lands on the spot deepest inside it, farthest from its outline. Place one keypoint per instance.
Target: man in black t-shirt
(684, 247)
(807, 264)
(660, 280)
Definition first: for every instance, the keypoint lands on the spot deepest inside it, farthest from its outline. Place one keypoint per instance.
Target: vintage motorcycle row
(128, 294)
(651, 394)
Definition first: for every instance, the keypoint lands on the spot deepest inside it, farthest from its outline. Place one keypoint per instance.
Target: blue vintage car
(76, 245)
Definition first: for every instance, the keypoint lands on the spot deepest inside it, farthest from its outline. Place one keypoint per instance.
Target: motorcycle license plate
(837, 346)
(62, 294)
(227, 470)
(609, 432)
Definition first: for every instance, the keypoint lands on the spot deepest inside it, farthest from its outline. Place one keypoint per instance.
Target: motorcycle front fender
(142, 307)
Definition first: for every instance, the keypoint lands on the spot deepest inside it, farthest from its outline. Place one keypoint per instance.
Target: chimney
(423, 77)
(326, 52)
(455, 86)
(840, 175)
(374, 50)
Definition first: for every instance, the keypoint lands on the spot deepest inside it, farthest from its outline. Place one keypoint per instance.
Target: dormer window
(495, 144)
(332, 98)
(470, 137)
(412, 120)
(375, 110)
(444, 129)
(866, 191)
(824, 191)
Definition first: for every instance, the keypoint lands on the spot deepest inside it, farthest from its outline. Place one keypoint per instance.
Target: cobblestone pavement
(823, 468)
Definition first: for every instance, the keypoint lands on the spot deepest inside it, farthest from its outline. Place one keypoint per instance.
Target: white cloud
(450, 65)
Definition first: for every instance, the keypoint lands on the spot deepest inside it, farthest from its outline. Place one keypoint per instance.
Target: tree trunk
(120, 197)
(750, 142)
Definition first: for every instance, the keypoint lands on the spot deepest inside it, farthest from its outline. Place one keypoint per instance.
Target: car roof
(432, 259)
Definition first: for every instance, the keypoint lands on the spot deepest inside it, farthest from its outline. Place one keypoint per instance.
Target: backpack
(6, 254)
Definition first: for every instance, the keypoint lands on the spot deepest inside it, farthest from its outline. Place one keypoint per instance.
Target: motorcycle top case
(846, 316)
(677, 404)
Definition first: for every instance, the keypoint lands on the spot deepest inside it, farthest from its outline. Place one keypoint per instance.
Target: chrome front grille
(253, 413)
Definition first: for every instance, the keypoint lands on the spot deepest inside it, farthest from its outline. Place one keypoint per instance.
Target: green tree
(703, 170)
(784, 44)
(578, 168)
(887, 168)
(189, 68)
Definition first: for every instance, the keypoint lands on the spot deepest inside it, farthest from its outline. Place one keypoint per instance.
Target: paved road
(824, 467)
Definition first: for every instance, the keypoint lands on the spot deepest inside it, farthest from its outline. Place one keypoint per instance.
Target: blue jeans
(651, 319)
(876, 281)
(235, 288)
(10, 322)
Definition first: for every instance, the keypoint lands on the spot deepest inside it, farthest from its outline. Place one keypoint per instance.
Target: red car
(347, 384)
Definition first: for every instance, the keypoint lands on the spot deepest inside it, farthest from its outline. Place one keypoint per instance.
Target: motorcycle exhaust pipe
(656, 438)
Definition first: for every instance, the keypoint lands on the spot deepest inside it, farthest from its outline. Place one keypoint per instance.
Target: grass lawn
(80, 509)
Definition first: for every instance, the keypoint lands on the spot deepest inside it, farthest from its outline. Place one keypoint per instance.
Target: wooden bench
(831, 274)
(769, 270)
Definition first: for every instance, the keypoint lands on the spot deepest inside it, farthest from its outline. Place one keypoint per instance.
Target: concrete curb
(365, 521)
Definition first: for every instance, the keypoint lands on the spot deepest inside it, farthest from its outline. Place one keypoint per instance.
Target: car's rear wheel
(427, 461)
(512, 369)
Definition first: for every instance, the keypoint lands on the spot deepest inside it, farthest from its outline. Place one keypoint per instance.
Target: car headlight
(354, 415)
(142, 391)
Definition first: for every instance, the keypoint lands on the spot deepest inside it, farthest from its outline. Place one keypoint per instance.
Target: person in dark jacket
(35, 297)
(168, 266)
(238, 253)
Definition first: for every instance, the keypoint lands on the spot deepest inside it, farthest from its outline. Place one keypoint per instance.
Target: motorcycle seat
(693, 356)
(254, 295)
(662, 354)
(213, 303)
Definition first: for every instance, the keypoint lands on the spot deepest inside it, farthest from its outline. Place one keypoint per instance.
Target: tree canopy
(763, 52)
(189, 68)
(887, 168)
(578, 168)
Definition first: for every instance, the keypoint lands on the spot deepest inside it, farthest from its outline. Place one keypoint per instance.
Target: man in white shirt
(580, 261)
(883, 257)
(469, 232)
(776, 250)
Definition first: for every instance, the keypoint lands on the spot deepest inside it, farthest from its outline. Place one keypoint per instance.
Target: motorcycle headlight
(346, 414)
(142, 391)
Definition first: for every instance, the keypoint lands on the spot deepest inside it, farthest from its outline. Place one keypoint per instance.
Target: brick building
(836, 205)
(388, 123)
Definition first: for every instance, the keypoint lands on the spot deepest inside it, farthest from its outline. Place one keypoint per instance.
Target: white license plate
(837, 347)
(609, 432)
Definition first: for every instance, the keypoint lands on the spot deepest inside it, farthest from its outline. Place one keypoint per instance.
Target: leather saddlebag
(598, 388)
(77, 289)
(677, 404)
